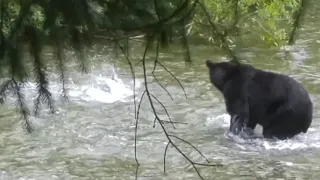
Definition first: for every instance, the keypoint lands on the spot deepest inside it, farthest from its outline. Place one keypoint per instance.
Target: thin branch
(136, 130)
(234, 27)
(157, 56)
(137, 170)
(165, 109)
(236, 13)
(164, 156)
(155, 2)
(118, 38)
(165, 89)
(156, 114)
(138, 110)
(191, 146)
(297, 21)
(185, 94)
(133, 78)
(132, 73)
(128, 49)
(185, 43)
(154, 122)
(172, 122)
(154, 68)
(77, 42)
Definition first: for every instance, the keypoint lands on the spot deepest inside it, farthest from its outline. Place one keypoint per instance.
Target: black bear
(277, 102)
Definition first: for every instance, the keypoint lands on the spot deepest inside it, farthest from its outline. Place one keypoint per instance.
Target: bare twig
(138, 110)
(172, 122)
(155, 2)
(137, 170)
(185, 43)
(165, 109)
(190, 145)
(136, 129)
(164, 157)
(185, 94)
(155, 66)
(118, 38)
(236, 12)
(297, 20)
(169, 94)
(166, 122)
(132, 74)
(157, 118)
(154, 122)
(151, 99)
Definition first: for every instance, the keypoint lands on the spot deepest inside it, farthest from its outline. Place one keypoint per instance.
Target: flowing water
(92, 137)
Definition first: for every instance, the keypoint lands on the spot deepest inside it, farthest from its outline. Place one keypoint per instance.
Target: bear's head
(220, 73)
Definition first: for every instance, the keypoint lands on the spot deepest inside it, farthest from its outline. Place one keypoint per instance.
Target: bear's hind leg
(284, 126)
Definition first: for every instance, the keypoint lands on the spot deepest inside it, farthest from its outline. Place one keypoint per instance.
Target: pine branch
(61, 67)
(5, 89)
(60, 60)
(44, 94)
(22, 106)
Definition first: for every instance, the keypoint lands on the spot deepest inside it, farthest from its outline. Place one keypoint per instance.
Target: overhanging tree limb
(297, 20)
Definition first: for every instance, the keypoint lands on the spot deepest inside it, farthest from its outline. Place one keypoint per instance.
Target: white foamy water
(100, 89)
(106, 90)
(311, 139)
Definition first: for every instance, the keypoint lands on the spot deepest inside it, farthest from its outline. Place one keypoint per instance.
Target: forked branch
(169, 137)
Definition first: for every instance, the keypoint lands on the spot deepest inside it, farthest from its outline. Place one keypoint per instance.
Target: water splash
(106, 90)
(311, 139)
(96, 88)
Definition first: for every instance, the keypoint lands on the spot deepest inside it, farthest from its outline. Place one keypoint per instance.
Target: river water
(92, 137)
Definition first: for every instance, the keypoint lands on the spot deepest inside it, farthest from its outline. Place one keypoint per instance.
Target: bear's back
(279, 84)
(266, 88)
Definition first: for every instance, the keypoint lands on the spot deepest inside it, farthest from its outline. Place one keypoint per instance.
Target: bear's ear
(209, 63)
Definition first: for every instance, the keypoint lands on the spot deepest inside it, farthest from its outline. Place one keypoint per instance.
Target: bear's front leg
(236, 124)
(239, 126)
(248, 133)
